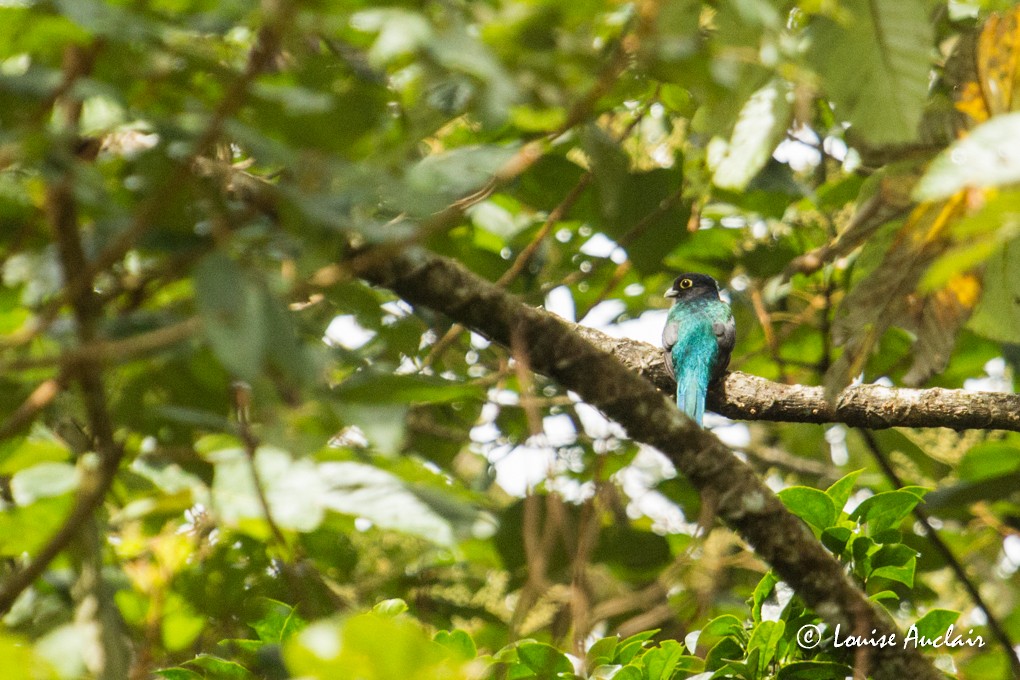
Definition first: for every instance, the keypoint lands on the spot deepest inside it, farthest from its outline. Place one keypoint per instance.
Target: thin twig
(41, 397)
(242, 408)
(62, 215)
(105, 351)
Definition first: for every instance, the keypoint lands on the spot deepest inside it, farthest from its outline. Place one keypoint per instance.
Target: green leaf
(761, 125)
(979, 160)
(813, 506)
(628, 673)
(278, 622)
(221, 669)
(988, 460)
(765, 639)
(903, 574)
(458, 642)
(444, 177)
(660, 662)
(875, 66)
(724, 651)
(885, 510)
(369, 646)
(232, 308)
(861, 549)
(391, 607)
(178, 674)
(609, 164)
(602, 652)
(544, 659)
(836, 538)
(45, 480)
(841, 489)
(997, 316)
(935, 622)
(766, 586)
(629, 647)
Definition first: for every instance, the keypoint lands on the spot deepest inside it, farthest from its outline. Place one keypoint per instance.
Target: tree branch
(741, 500)
(748, 397)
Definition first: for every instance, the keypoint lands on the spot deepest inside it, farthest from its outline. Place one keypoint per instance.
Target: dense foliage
(225, 455)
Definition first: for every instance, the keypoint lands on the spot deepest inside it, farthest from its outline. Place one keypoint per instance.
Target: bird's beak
(671, 293)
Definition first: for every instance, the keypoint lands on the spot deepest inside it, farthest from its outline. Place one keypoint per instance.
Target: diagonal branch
(742, 501)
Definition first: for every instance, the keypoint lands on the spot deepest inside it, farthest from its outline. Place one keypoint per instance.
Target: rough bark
(747, 397)
(558, 350)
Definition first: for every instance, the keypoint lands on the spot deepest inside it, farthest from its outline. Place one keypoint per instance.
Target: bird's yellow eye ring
(685, 284)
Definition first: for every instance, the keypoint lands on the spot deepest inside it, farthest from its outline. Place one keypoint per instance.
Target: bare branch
(106, 351)
(748, 397)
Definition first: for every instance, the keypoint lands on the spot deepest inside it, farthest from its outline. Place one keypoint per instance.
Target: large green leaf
(875, 63)
(761, 125)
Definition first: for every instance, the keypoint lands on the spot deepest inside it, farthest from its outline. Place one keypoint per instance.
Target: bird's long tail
(691, 387)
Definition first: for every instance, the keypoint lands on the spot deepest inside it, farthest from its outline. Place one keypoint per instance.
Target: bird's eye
(685, 284)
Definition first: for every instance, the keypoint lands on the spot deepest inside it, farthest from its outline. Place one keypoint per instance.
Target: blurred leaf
(278, 623)
(992, 91)
(880, 298)
(979, 160)
(621, 545)
(458, 642)
(365, 491)
(761, 125)
(369, 646)
(875, 65)
(963, 494)
(222, 669)
(998, 313)
(987, 460)
(45, 480)
(18, 454)
(441, 178)
(233, 314)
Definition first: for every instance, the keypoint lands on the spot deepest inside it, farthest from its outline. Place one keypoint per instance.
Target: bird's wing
(725, 337)
(725, 334)
(670, 334)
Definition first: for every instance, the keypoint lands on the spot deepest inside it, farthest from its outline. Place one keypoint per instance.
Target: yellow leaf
(997, 59)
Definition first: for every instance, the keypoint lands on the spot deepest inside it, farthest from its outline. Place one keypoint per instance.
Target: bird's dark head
(692, 287)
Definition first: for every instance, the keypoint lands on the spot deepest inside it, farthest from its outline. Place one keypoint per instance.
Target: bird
(698, 339)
